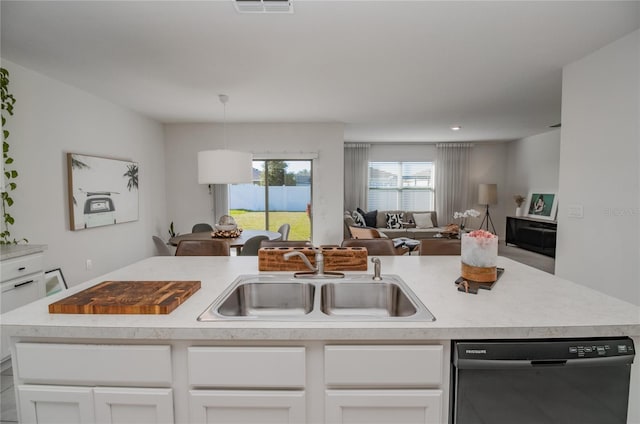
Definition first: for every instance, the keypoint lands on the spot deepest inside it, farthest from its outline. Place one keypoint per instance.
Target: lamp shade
(487, 194)
(224, 167)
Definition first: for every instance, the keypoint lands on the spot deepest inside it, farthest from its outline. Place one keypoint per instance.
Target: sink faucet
(376, 269)
(318, 270)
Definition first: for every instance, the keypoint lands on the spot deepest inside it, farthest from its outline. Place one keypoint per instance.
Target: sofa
(409, 227)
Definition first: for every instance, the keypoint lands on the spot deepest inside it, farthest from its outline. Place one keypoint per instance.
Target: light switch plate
(575, 211)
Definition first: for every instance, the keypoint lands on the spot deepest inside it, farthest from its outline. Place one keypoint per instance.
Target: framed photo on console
(542, 205)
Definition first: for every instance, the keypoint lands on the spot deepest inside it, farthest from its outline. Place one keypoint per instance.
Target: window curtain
(220, 201)
(452, 180)
(356, 175)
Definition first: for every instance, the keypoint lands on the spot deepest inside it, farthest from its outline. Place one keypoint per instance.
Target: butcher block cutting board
(127, 297)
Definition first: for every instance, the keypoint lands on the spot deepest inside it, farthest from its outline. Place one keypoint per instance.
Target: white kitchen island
(173, 368)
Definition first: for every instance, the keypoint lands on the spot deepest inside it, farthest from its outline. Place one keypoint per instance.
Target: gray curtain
(220, 201)
(356, 175)
(452, 180)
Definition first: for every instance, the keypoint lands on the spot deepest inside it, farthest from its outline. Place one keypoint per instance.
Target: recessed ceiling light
(456, 128)
(264, 6)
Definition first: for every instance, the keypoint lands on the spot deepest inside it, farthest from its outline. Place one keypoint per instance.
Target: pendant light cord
(223, 99)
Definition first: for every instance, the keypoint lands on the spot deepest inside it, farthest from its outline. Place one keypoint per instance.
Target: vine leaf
(7, 100)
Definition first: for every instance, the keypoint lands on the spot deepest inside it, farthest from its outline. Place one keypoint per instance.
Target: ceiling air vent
(264, 6)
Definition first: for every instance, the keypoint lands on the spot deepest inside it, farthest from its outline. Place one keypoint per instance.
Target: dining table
(237, 242)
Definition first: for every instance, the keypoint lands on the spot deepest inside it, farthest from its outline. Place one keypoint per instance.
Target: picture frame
(102, 191)
(542, 205)
(54, 281)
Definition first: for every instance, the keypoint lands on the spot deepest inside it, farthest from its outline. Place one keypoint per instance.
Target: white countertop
(524, 303)
(10, 251)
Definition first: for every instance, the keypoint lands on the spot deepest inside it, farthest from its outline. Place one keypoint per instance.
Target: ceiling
(402, 71)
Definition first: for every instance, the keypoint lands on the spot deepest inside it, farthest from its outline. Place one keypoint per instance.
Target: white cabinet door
(133, 405)
(112, 405)
(55, 404)
(246, 406)
(383, 406)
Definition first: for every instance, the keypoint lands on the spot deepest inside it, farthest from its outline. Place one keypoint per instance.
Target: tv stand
(532, 234)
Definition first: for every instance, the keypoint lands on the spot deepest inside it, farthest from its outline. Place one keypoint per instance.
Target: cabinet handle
(22, 284)
(22, 268)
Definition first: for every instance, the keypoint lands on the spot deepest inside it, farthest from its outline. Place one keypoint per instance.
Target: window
(279, 194)
(401, 186)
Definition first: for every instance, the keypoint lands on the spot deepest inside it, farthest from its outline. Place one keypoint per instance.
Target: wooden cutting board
(127, 297)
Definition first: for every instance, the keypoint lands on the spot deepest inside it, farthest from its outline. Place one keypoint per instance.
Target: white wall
(487, 161)
(51, 119)
(599, 159)
(190, 202)
(533, 164)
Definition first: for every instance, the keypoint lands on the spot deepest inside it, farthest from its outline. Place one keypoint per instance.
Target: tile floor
(9, 413)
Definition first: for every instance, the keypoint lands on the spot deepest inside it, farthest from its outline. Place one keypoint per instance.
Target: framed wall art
(54, 281)
(102, 191)
(542, 204)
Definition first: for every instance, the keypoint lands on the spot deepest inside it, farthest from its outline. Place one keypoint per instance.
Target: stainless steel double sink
(355, 297)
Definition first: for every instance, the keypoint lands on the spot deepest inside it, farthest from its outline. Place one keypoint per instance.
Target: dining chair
(201, 228)
(437, 246)
(161, 246)
(284, 231)
(203, 248)
(379, 246)
(285, 243)
(252, 246)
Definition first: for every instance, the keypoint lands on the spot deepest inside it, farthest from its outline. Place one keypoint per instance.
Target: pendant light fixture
(223, 166)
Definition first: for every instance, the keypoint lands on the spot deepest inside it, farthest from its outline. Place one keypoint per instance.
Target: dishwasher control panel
(543, 349)
(600, 348)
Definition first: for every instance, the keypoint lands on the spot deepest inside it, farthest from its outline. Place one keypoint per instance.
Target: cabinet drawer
(247, 367)
(383, 366)
(93, 364)
(18, 267)
(19, 292)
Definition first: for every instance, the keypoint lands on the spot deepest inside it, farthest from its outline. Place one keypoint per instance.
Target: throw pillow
(423, 220)
(394, 220)
(359, 219)
(369, 217)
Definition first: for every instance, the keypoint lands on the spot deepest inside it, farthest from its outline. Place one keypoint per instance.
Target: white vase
(519, 211)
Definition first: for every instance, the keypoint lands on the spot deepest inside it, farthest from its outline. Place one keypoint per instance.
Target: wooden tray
(127, 297)
(474, 286)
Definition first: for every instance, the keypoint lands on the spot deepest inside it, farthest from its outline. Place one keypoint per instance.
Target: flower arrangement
(482, 235)
(464, 215)
(519, 199)
(480, 249)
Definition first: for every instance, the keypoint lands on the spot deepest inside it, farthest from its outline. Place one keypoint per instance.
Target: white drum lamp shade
(224, 167)
(487, 194)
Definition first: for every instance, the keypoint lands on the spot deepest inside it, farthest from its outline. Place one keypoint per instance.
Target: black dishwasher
(541, 381)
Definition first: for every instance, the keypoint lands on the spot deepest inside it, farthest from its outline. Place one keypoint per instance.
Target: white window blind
(401, 185)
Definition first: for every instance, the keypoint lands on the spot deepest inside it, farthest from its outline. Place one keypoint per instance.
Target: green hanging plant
(10, 174)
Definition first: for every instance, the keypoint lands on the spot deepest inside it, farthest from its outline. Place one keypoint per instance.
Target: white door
(55, 404)
(383, 406)
(133, 405)
(246, 407)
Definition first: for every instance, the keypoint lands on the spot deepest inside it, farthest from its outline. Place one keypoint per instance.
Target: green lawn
(299, 221)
